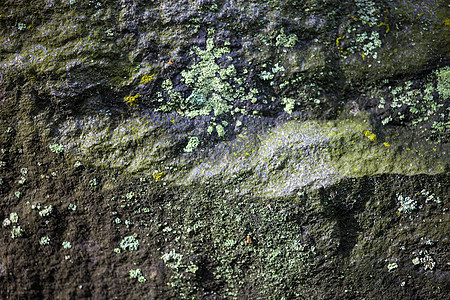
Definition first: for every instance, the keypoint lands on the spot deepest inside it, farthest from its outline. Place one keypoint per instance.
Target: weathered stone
(224, 149)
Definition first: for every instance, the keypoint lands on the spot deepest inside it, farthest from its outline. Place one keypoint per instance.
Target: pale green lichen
(14, 217)
(265, 75)
(278, 68)
(214, 87)
(287, 41)
(210, 92)
(192, 144)
(427, 111)
(45, 240)
(289, 105)
(407, 205)
(6, 222)
(137, 273)
(443, 85)
(93, 182)
(46, 211)
(359, 40)
(72, 207)
(129, 243)
(425, 259)
(130, 195)
(21, 26)
(22, 180)
(24, 171)
(174, 97)
(392, 266)
(16, 232)
(220, 130)
(56, 148)
(172, 259)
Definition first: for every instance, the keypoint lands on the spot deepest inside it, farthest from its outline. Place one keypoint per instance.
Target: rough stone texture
(224, 149)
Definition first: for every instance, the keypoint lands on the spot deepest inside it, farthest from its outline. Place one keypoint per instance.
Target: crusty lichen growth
(147, 78)
(192, 144)
(423, 107)
(443, 84)
(214, 87)
(131, 100)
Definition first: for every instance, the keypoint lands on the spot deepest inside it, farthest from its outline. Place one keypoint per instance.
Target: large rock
(224, 149)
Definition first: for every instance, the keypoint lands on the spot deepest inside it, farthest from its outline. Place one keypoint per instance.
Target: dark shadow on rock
(342, 202)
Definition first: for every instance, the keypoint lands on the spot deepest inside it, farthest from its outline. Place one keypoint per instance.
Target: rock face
(224, 149)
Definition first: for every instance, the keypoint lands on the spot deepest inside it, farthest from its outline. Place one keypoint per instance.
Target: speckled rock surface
(224, 149)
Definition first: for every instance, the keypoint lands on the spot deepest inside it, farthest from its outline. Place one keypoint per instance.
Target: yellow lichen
(131, 100)
(370, 135)
(338, 39)
(157, 176)
(147, 78)
(384, 24)
(339, 47)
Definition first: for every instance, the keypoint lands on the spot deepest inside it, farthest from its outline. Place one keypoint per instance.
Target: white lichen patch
(407, 204)
(16, 232)
(45, 240)
(129, 243)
